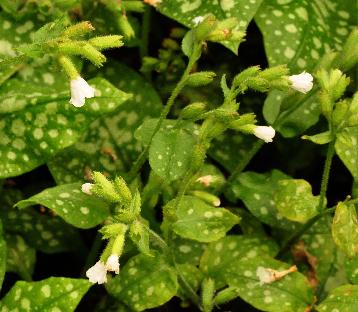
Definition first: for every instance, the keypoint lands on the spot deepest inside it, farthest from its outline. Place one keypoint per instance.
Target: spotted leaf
(75, 207)
(109, 144)
(256, 190)
(187, 250)
(38, 125)
(347, 151)
(49, 234)
(351, 269)
(20, 258)
(294, 200)
(170, 153)
(341, 299)
(144, 283)
(292, 293)
(345, 229)
(299, 33)
(184, 11)
(199, 221)
(54, 294)
(219, 255)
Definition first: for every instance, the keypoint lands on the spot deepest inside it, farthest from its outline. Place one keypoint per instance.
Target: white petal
(112, 264)
(80, 90)
(97, 273)
(264, 133)
(86, 188)
(302, 82)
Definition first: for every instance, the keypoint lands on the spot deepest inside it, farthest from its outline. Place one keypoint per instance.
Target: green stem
(325, 176)
(142, 157)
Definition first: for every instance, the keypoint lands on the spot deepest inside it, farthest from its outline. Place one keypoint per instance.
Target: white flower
(197, 20)
(112, 263)
(264, 133)
(205, 180)
(267, 275)
(302, 82)
(80, 90)
(86, 188)
(97, 273)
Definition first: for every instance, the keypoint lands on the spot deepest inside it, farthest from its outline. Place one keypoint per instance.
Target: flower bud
(226, 295)
(264, 133)
(106, 42)
(104, 188)
(78, 29)
(200, 79)
(112, 263)
(207, 197)
(193, 111)
(125, 26)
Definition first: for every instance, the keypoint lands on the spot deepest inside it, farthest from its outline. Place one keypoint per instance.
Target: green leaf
(170, 153)
(351, 269)
(256, 190)
(71, 204)
(140, 236)
(45, 233)
(292, 293)
(294, 200)
(201, 222)
(220, 255)
(20, 258)
(39, 125)
(2, 255)
(144, 283)
(185, 11)
(192, 276)
(345, 228)
(346, 148)
(341, 299)
(53, 294)
(187, 250)
(109, 144)
(300, 32)
(320, 138)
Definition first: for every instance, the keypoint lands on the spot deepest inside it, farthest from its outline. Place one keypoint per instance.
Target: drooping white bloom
(302, 82)
(97, 273)
(197, 20)
(112, 263)
(86, 188)
(80, 90)
(205, 180)
(264, 133)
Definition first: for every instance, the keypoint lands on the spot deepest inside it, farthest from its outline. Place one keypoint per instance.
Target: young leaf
(53, 294)
(346, 148)
(170, 153)
(39, 125)
(256, 190)
(342, 299)
(75, 207)
(109, 144)
(202, 222)
(219, 256)
(144, 283)
(292, 293)
(320, 138)
(2, 255)
(345, 228)
(294, 200)
(21, 257)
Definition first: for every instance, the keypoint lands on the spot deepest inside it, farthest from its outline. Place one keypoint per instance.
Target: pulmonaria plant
(143, 172)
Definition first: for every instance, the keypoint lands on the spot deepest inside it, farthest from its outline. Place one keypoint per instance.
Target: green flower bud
(104, 188)
(135, 6)
(77, 30)
(106, 42)
(207, 197)
(200, 79)
(246, 119)
(240, 79)
(125, 26)
(226, 295)
(193, 111)
(112, 230)
(207, 294)
(123, 190)
(273, 73)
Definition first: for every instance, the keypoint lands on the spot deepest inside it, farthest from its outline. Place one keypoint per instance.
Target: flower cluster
(98, 272)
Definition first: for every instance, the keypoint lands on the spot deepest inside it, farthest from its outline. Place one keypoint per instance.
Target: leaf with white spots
(294, 200)
(345, 228)
(255, 190)
(144, 283)
(55, 294)
(219, 256)
(70, 203)
(351, 269)
(49, 234)
(347, 151)
(187, 250)
(188, 276)
(202, 222)
(38, 125)
(2, 255)
(292, 293)
(21, 257)
(341, 299)
(109, 144)
(170, 154)
(184, 11)
(299, 33)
